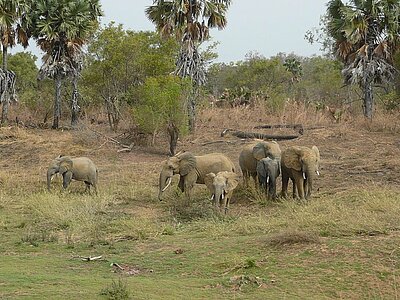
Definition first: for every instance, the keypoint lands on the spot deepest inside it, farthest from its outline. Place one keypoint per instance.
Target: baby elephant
(268, 170)
(221, 186)
(78, 168)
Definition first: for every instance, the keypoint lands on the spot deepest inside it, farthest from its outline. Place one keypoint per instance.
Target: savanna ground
(343, 243)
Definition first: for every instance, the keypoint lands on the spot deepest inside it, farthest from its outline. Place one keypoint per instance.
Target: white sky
(264, 26)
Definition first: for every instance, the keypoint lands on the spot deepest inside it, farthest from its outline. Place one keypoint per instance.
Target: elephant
(221, 185)
(191, 169)
(268, 170)
(254, 152)
(78, 168)
(300, 164)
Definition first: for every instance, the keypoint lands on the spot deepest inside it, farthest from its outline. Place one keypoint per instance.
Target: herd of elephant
(263, 161)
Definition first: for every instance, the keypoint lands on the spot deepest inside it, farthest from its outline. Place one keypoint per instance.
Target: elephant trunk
(164, 183)
(218, 195)
(50, 174)
(309, 174)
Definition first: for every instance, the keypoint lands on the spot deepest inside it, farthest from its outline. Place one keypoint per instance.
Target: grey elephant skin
(221, 186)
(252, 153)
(77, 168)
(191, 169)
(301, 165)
(268, 170)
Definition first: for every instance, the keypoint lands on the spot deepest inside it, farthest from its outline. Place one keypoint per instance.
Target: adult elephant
(254, 152)
(77, 168)
(191, 169)
(268, 170)
(300, 164)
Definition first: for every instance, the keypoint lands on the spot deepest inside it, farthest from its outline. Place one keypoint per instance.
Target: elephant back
(84, 169)
(212, 163)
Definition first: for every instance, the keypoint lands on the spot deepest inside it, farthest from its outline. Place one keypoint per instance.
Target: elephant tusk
(212, 197)
(304, 176)
(222, 195)
(168, 183)
(268, 179)
(317, 172)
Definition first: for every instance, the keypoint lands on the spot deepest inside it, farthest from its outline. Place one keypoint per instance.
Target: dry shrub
(290, 237)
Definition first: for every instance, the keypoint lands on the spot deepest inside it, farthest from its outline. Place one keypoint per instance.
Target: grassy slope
(339, 245)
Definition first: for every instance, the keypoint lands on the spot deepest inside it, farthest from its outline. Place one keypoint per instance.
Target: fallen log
(256, 135)
(297, 127)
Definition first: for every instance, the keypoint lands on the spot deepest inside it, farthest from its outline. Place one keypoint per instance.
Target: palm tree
(366, 35)
(10, 30)
(189, 21)
(61, 28)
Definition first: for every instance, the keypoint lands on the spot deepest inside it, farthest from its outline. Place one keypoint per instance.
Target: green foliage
(117, 290)
(161, 103)
(119, 62)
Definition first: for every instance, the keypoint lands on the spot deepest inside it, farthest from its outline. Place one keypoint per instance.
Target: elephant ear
(66, 165)
(209, 181)
(316, 151)
(232, 181)
(187, 162)
(259, 151)
(261, 168)
(293, 157)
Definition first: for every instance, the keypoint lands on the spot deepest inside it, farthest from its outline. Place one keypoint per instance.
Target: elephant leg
(87, 187)
(181, 184)
(67, 177)
(254, 175)
(300, 187)
(285, 183)
(294, 189)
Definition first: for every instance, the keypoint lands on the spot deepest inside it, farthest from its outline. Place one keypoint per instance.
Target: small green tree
(162, 106)
(119, 61)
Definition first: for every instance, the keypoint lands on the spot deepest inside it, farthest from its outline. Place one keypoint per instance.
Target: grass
(328, 246)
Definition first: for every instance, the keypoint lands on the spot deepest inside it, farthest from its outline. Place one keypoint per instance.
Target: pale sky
(263, 26)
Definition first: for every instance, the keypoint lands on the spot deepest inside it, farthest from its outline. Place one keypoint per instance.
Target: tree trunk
(191, 107)
(4, 95)
(173, 134)
(368, 105)
(57, 102)
(75, 107)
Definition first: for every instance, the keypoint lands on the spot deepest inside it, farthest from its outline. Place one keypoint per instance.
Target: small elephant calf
(268, 170)
(221, 186)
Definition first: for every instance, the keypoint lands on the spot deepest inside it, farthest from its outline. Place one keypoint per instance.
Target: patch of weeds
(168, 230)
(183, 210)
(34, 237)
(290, 237)
(117, 290)
(239, 281)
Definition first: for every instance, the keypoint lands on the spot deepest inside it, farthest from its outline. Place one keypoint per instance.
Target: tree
(10, 29)
(161, 106)
(366, 35)
(189, 21)
(119, 61)
(61, 28)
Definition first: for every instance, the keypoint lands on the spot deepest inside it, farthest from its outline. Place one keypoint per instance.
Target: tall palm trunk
(57, 101)
(368, 105)
(75, 106)
(4, 95)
